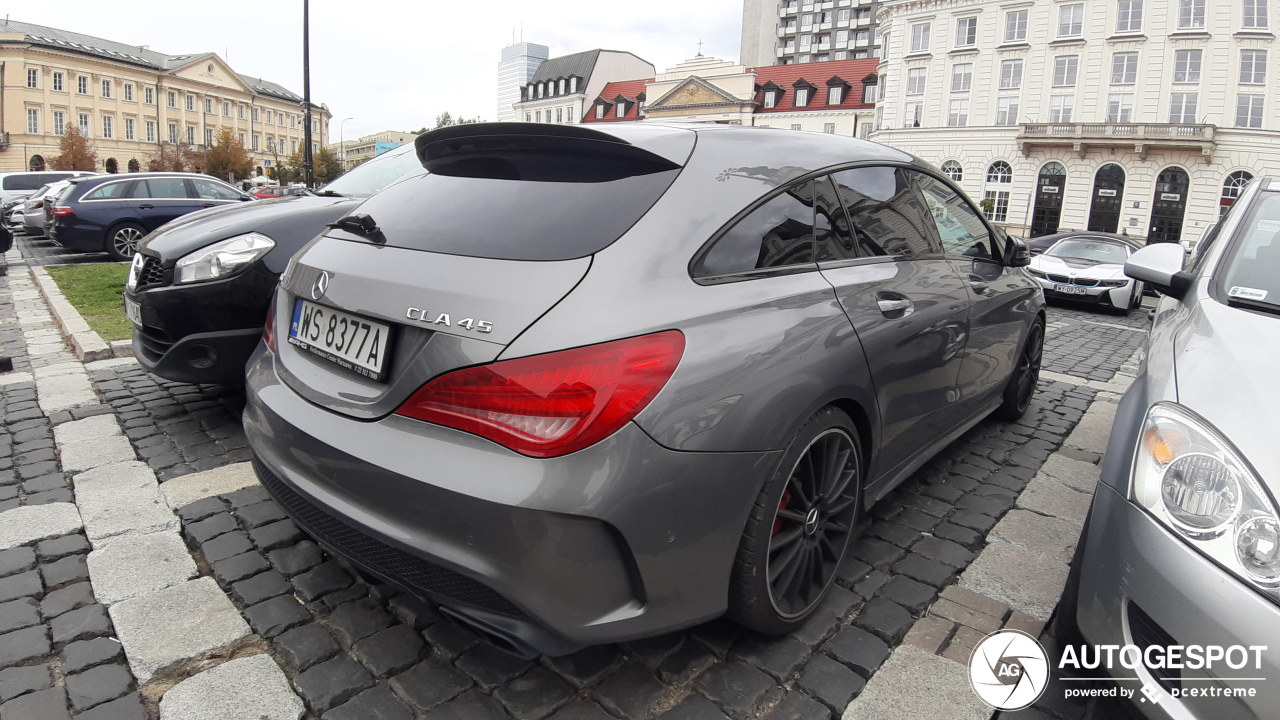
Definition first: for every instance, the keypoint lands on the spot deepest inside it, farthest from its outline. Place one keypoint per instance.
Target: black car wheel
(1026, 374)
(122, 240)
(800, 527)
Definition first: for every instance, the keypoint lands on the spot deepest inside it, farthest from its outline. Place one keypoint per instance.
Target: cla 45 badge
(425, 318)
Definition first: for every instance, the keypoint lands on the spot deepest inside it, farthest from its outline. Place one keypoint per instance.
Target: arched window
(36, 163)
(1000, 172)
(953, 170)
(134, 166)
(1232, 188)
(111, 166)
(995, 196)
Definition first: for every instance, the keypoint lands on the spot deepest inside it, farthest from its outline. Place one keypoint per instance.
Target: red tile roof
(626, 88)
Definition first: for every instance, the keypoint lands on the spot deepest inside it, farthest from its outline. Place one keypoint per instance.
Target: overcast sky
(396, 65)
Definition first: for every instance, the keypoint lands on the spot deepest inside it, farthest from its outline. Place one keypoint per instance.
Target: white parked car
(1088, 268)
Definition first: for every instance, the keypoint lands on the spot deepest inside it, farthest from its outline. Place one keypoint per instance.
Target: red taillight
(554, 404)
(63, 212)
(269, 329)
(39, 204)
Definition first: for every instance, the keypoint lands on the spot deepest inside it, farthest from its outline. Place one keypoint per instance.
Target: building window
(771, 98)
(829, 128)
(920, 37)
(1007, 111)
(173, 99)
(835, 94)
(257, 142)
(561, 86)
(1070, 20)
(1000, 173)
(795, 127)
(173, 133)
(1186, 66)
(573, 85)
(1253, 67)
(106, 89)
(559, 115)
(958, 114)
(912, 115)
(128, 128)
(226, 109)
(270, 119)
(1061, 108)
(619, 110)
(82, 84)
(149, 96)
(1190, 14)
(151, 131)
(208, 136)
(57, 81)
(962, 77)
(108, 126)
(33, 78)
(868, 94)
(1255, 14)
(293, 146)
(208, 106)
(542, 90)
(254, 115)
(538, 116)
(1249, 111)
(953, 171)
(1182, 108)
(864, 130)
(293, 121)
(33, 121)
(997, 210)
(128, 92)
(1120, 108)
(1232, 187)
(84, 124)
(1129, 16)
(59, 122)
(915, 81)
(966, 32)
(802, 97)
(1011, 75)
(191, 103)
(1065, 70)
(1124, 68)
(191, 135)
(1015, 26)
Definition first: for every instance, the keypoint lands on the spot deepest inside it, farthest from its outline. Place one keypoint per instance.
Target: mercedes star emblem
(321, 286)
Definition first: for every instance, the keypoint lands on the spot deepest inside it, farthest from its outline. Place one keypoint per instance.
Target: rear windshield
(369, 177)
(1253, 260)
(541, 202)
(31, 181)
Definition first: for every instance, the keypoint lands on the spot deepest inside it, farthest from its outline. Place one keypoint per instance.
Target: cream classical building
(130, 100)
(1137, 116)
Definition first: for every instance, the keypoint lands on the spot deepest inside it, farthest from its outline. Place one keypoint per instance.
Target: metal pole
(342, 145)
(308, 170)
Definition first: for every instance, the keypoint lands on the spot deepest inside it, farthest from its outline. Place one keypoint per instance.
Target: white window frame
(1007, 109)
(1249, 109)
(1183, 105)
(173, 133)
(917, 78)
(108, 127)
(151, 131)
(1061, 109)
(1015, 25)
(85, 126)
(208, 138)
(191, 103)
(600, 109)
(958, 113)
(967, 31)
(1253, 67)
(1011, 74)
(1066, 70)
(191, 135)
(59, 122)
(1124, 66)
(33, 78)
(148, 96)
(829, 128)
(1255, 15)
(106, 89)
(128, 92)
(920, 39)
(173, 99)
(913, 114)
(33, 121)
(1120, 108)
(953, 171)
(1190, 14)
(130, 129)
(1129, 16)
(58, 81)
(835, 94)
(802, 97)
(82, 84)
(999, 205)
(771, 98)
(962, 77)
(1187, 65)
(1071, 20)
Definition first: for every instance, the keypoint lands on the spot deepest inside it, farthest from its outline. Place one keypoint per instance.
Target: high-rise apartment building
(517, 67)
(785, 32)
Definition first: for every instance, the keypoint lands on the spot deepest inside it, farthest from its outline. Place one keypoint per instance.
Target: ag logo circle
(1009, 670)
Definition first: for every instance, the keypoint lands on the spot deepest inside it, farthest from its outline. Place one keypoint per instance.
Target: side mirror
(1016, 253)
(1160, 266)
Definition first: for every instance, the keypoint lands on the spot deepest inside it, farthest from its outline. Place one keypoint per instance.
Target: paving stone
(275, 535)
(930, 634)
(17, 681)
(828, 615)
(250, 495)
(923, 522)
(780, 657)
(190, 620)
(134, 565)
(97, 685)
(884, 618)
(377, 703)
(734, 687)
(18, 614)
(653, 650)
(331, 683)
(450, 640)
(798, 706)
(429, 684)
(198, 510)
(965, 616)
(957, 534)
(924, 570)
(297, 559)
(1050, 497)
(239, 567)
(260, 587)
(858, 649)
(1017, 577)
(49, 497)
(271, 617)
(206, 529)
(82, 623)
(261, 513)
(412, 612)
(225, 546)
(581, 710)
(629, 692)
(90, 454)
(304, 646)
(333, 600)
(25, 525)
(48, 704)
(66, 599)
(975, 601)
(25, 644)
(852, 569)
(250, 688)
(585, 666)
(356, 621)
(876, 553)
(57, 548)
(973, 520)
(489, 666)
(390, 651)
(993, 506)
(324, 578)
(54, 481)
(471, 705)
(128, 707)
(534, 695)
(84, 654)
(943, 551)
(867, 586)
(121, 499)
(693, 707)
(686, 663)
(830, 683)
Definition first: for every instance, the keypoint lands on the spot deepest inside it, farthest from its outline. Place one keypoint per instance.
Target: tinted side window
(109, 191)
(833, 236)
(963, 233)
(23, 182)
(885, 212)
(214, 191)
(776, 234)
(165, 188)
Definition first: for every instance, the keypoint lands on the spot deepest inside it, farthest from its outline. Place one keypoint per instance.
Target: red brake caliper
(777, 521)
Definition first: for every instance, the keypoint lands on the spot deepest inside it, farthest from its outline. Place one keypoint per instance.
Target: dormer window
(835, 95)
(573, 84)
(771, 98)
(620, 110)
(802, 97)
(561, 86)
(600, 111)
(542, 90)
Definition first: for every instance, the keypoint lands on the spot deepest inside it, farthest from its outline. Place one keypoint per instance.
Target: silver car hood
(1225, 367)
(1077, 268)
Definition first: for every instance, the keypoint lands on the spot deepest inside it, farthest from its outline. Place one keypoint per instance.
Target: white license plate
(133, 311)
(355, 343)
(1070, 289)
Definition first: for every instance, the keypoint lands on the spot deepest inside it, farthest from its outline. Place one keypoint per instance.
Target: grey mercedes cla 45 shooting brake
(579, 386)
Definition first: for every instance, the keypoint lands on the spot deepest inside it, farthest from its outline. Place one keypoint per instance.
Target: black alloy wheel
(1026, 374)
(812, 524)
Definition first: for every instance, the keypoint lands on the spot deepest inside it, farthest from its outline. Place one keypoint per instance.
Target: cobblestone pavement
(352, 648)
(1092, 344)
(43, 251)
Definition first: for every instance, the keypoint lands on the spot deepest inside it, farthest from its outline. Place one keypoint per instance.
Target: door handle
(889, 307)
(207, 204)
(145, 206)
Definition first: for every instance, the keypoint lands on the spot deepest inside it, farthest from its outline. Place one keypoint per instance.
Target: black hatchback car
(111, 213)
(198, 291)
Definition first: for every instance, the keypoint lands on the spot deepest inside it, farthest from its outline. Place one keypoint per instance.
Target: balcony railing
(1139, 136)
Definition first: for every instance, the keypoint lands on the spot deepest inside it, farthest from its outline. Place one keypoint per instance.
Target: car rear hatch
(445, 269)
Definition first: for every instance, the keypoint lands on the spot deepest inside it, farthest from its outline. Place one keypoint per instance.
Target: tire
(800, 526)
(122, 240)
(1026, 373)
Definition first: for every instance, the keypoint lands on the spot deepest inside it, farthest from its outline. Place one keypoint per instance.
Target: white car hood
(1077, 268)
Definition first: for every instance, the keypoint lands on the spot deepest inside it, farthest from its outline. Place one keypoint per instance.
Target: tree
(445, 119)
(175, 157)
(290, 170)
(227, 156)
(76, 152)
(326, 167)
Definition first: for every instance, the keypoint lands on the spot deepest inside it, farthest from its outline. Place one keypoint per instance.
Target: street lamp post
(342, 144)
(308, 169)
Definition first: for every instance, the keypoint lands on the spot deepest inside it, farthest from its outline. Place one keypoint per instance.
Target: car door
(998, 294)
(211, 193)
(907, 303)
(157, 200)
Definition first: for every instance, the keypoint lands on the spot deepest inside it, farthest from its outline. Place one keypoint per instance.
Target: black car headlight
(222, 259)
(1194, 481)
(1036, 273)
(1112, 283)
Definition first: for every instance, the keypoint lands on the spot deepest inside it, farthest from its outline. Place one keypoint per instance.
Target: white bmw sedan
(1088, 268)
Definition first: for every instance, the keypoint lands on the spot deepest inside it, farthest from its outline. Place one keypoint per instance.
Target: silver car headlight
(221, 259)
(1194, 481)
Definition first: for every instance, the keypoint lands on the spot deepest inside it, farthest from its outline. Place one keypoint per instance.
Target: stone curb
(85, 343)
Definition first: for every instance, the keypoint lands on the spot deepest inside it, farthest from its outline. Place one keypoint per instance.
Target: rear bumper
(622, 540)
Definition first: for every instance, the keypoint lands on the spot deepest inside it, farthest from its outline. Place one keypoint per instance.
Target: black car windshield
(1253, 261)
(370, 177)
(1095, 250)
